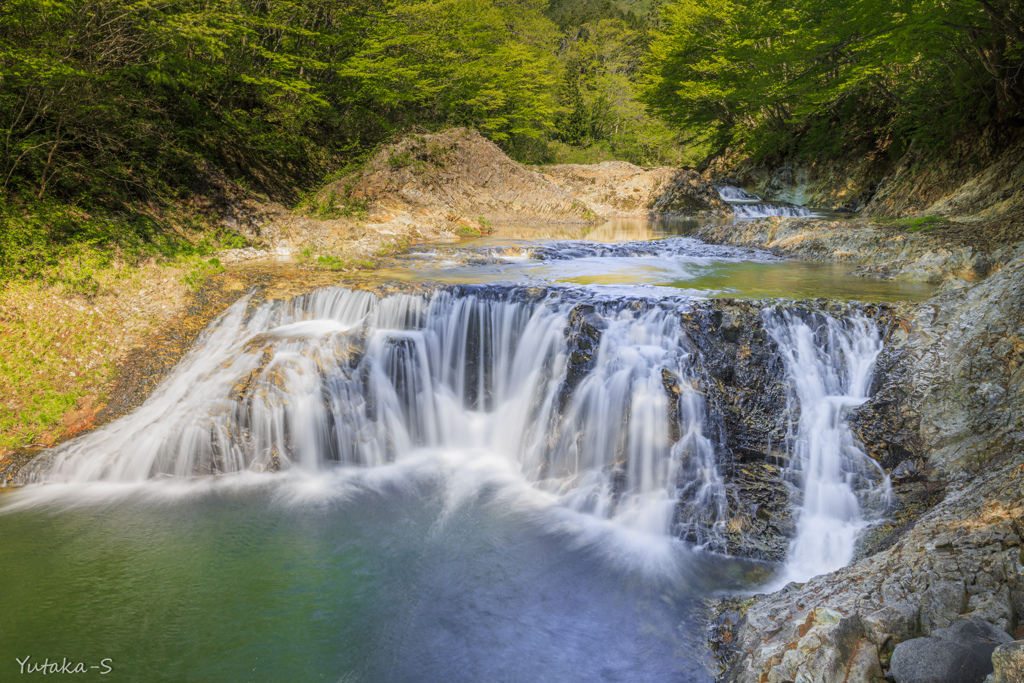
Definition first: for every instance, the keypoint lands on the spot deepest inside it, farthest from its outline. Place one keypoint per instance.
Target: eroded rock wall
(951, 392)
(955, 251)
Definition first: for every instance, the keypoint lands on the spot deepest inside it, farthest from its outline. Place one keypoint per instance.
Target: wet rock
(881, 251)
(583, 336)
(961, 653)
(1008, 663)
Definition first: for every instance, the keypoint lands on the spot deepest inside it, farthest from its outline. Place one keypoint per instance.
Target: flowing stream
(486, 475)
(749, 206)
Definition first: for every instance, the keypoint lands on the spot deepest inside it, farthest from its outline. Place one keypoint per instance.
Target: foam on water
(345, 378)
(830, 364)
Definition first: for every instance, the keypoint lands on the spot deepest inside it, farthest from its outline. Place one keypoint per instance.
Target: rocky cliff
(979, 177)
(955, 384)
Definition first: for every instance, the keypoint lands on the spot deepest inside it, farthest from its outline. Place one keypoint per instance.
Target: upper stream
(511, 471)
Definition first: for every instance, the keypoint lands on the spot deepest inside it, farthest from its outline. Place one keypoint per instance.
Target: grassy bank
(78, 290)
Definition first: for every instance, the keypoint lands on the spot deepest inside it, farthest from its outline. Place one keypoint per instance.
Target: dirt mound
(618, 188)
(457, 176)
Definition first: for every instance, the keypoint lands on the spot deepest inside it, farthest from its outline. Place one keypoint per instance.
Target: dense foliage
(106, 99)
(827, 76)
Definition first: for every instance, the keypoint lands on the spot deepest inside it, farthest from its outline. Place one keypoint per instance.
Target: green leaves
(767, 70)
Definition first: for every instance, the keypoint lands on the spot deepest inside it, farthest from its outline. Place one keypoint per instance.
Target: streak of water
(830, 364)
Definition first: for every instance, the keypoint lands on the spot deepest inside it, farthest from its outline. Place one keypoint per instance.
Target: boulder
(961, 653)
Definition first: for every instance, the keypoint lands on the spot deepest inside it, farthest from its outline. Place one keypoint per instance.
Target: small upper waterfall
(735, 195)
(830, 364)
(592, 402)
(746, 205)
(765, 210)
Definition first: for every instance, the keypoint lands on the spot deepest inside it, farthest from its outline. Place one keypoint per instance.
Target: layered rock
(953, 252)
(960, 371)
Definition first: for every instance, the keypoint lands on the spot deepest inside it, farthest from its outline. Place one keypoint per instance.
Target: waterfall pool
(485, 478)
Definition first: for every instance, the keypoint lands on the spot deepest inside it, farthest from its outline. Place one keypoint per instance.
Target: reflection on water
(614, 230)
(651, 256)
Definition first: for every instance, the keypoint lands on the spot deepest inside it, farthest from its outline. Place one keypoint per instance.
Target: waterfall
(766, 210)
(830, 365)
(591, 402)
(735, 195)
(746, 205)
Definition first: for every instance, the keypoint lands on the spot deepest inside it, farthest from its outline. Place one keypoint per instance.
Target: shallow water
(644, 256)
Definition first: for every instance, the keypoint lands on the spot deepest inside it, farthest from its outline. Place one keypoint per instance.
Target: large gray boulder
(961, 653)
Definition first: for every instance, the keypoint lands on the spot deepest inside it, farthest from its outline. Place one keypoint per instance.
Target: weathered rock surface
(969, 372)
(618, 188)
(1008, 663)
(961, 653)
(959, 560)
(930, 256)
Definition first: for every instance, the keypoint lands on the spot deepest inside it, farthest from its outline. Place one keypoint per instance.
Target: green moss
(915, 224)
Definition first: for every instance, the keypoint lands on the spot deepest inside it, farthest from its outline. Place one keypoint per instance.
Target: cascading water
(746, 205)
(476, 482)
(830, 366)
(766, 210)
(735, 195)
(612, 426)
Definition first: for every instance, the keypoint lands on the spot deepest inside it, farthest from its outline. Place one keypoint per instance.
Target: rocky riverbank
(964, 382)
(963, 251)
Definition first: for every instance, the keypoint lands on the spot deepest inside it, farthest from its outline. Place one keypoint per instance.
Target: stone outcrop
(958, 367)
(955, 251)
(962, 559)
(969, 371)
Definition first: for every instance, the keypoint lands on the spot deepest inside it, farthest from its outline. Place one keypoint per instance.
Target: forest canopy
(831, 76)
(107, 105)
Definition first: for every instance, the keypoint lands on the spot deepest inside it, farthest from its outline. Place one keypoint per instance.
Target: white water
(766, 210)
(830, 365)
(735, 195)
(343, 377)
(746, 205)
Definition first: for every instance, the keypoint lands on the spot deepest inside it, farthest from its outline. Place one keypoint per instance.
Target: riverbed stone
(961, 653)
(930, 660)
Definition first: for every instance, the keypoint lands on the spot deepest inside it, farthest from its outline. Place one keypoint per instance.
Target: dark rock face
(961, 653)
(744, 384)
(583, 335)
